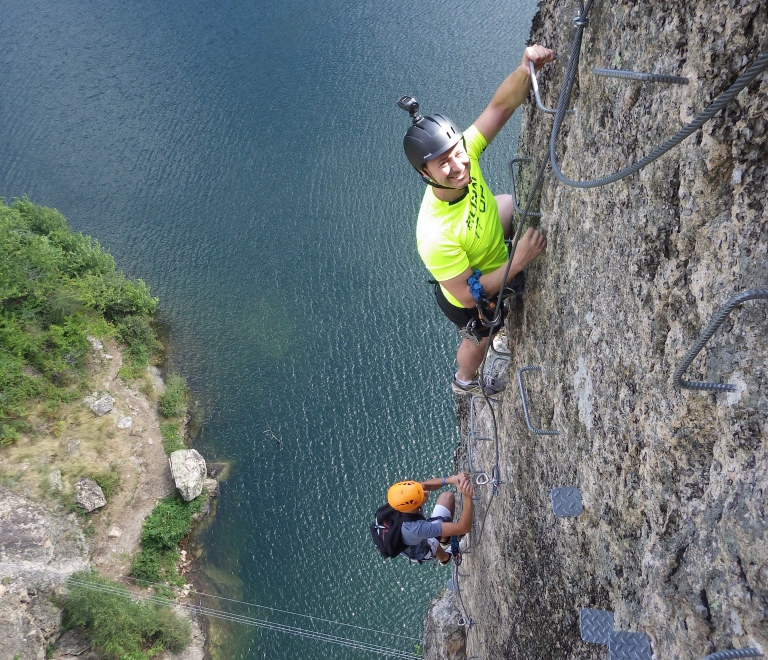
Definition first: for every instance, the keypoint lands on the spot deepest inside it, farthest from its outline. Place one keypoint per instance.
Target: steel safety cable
(259, 623)
(466, 616)
(565, 96)
(215, 613)
(266, 607)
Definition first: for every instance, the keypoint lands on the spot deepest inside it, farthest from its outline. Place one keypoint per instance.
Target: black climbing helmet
(428, 137)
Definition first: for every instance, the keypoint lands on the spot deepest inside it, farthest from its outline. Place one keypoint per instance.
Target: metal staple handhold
(645, 77)
(474, 398)
(518, 159)
(704, 337)
(735, 653)
(535, 85)
(525, 404)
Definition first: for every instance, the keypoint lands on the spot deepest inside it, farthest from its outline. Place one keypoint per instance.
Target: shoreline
(34, 563)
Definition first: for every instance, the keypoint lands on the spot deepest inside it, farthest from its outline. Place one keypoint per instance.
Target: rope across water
(247, 620)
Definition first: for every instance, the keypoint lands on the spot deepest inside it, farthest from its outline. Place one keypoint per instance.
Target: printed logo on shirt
(476, 206)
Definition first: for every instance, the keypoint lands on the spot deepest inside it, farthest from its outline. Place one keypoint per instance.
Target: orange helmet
(406, 496)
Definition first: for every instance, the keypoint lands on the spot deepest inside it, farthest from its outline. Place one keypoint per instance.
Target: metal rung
(525, 404)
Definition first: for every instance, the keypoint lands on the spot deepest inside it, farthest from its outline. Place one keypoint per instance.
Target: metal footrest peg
(629, 646)
(596, 625)
(566, 502)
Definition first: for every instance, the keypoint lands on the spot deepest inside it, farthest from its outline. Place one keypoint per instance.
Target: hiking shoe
(463, 543)
(492, 386)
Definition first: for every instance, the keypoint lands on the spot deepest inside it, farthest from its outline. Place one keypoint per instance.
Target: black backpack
(386, 530)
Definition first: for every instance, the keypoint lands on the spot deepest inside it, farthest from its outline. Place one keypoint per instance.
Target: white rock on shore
(189, 472)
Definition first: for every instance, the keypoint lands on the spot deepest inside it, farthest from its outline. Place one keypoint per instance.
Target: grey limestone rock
(39, 549)
(212, 487)
(89, 495)
(54, 479)
(103, 405)
(98, 346)
(125, 422)
(73, 643)
(444, 639)
(188, 471)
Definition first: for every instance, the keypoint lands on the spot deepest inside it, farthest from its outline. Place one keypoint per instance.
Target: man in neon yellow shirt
(462, 226)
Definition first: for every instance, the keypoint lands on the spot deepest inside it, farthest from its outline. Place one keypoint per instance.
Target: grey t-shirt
(416, 531)
(415, 534)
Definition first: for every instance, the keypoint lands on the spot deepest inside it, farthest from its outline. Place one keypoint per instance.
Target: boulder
(188, 471)
(125, 422)
(103, 405)
(89, 495)
(54, 479)
(212, 487)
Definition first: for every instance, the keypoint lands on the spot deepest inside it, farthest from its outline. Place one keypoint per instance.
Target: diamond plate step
(566, 502)
(596, 625)
(629, 646)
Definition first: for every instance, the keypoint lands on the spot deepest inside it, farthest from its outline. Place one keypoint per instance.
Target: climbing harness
(644, 77)
(706, 335)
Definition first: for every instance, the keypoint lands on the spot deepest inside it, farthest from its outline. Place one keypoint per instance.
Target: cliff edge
(673, 539)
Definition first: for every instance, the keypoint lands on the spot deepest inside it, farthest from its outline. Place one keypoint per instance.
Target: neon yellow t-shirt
(454, 236)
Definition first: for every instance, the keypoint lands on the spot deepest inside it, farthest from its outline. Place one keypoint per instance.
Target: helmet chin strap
(429, 182)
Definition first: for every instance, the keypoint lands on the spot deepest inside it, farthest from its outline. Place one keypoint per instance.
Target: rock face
(188, 470)
(89, 495)
(103, 405)
(39, 549)
(674, 535)
(444, 639)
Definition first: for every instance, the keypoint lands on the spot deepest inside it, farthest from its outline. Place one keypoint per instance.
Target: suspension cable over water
(251, 621)
(311, 617)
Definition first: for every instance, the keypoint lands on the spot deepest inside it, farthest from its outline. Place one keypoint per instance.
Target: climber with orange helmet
(401, 526)
(462, 226)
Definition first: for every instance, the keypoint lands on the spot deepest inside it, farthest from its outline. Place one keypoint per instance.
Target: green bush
(56, 288)
(172, 440)
(140, 344)
(120, 627)
(173, 401)
(109, 482)
(169, 522)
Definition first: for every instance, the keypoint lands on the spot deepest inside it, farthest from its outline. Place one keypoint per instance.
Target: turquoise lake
(245, 159)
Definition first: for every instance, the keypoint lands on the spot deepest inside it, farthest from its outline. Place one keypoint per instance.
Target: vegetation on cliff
(57, 287)
(164, 528)
(118, 626)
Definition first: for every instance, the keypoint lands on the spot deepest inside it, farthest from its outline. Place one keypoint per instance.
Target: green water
(245, 160)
